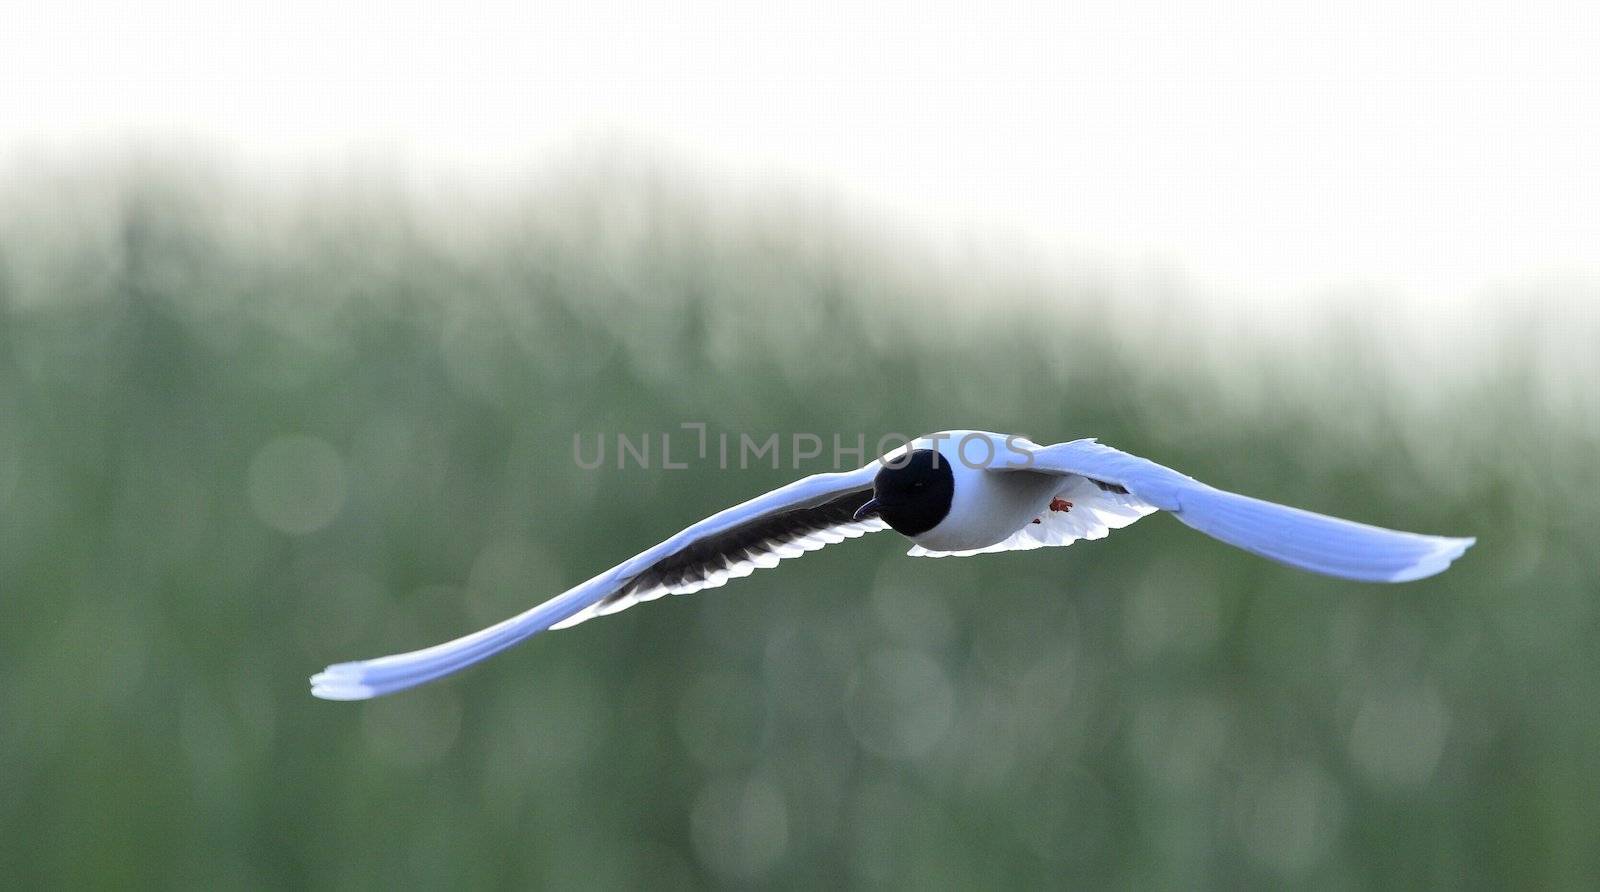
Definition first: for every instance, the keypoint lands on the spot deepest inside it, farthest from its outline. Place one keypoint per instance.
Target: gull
(954, 493)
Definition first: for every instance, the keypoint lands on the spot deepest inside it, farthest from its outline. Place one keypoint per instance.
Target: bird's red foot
(1059, 504)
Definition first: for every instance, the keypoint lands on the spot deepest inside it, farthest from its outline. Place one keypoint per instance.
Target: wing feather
(1292, 536)
(804, 516)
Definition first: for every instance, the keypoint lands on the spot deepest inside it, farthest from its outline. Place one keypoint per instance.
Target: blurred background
(300, 309)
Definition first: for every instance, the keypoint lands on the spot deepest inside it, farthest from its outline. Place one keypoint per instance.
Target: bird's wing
(787, 522)
(1292, 536)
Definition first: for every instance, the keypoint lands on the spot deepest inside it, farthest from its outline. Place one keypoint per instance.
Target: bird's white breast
(988, 505)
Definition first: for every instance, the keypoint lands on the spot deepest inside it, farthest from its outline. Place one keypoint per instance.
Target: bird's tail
(1315, 542)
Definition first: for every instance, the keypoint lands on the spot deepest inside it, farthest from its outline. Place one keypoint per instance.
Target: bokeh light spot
(296, 484)
(1399, 735)
(1289, 820)
(740, 828)
(899, 704)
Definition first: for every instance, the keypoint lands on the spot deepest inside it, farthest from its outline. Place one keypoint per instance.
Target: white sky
(1433, 148)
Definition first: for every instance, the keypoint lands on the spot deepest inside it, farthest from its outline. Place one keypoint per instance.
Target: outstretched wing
(787, 522)
(1292, 536)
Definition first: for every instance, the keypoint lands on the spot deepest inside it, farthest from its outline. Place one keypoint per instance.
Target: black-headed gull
(953, 493)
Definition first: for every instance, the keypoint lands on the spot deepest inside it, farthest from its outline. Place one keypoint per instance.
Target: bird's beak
(870, 509)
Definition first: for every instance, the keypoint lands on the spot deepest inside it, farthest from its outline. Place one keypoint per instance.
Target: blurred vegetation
(248, 430)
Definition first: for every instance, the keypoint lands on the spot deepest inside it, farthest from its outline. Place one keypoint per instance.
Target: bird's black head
(913, 493)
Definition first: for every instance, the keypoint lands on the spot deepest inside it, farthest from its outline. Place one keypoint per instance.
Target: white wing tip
(342, 681)
(1445, 551)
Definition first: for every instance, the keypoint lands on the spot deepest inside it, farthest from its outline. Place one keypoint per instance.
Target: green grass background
(248, 429)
